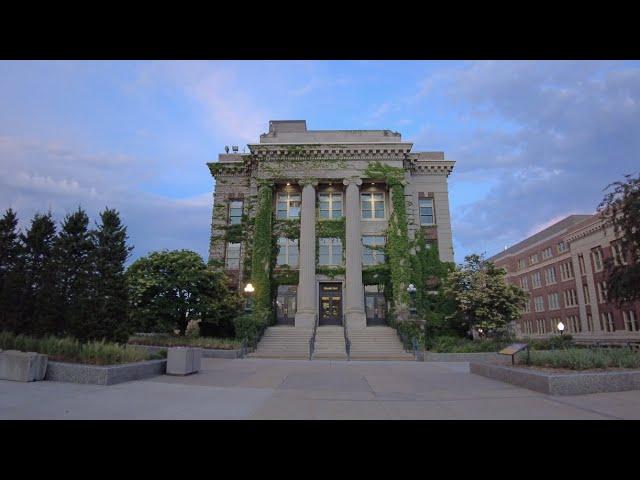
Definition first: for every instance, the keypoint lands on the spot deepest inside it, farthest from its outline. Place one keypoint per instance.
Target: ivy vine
(262, 252)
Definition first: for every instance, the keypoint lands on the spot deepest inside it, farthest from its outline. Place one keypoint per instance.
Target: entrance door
(375, 308)
(330, 304)
(286, 305)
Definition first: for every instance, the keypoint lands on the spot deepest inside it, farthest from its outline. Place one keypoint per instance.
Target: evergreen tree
(74, 258)
(11, 271)
(110, 288)
(40, 311)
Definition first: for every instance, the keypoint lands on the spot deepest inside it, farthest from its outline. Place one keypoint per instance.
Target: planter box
(22, 366)
(560, 383)
(183, 360)
(465, 357)
(206, 352)
(104, 375)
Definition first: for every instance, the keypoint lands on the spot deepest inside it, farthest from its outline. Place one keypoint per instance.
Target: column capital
(308, 181)
(352, 181)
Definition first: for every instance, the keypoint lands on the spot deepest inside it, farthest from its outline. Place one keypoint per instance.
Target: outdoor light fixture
(288, 184)
(249, 288)
(411, 288)
(561, 327)
(249, 304)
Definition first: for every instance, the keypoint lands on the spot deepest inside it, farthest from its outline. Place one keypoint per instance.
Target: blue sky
(533, 141)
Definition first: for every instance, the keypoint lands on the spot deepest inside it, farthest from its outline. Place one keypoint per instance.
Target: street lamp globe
(411, 288)
(249, 288)
(561, 327)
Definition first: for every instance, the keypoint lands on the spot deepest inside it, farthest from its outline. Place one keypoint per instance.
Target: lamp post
(561, 327)
(248, 289)
(411, 290)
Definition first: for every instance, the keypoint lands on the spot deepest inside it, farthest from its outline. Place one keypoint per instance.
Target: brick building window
(287, 252)
(602, 292)
(535, 280)
(570, 298)
(630, 321)
(524, 283)
(372, 256)
(554, 301)
(546, 253)
(573, 324)
(521, 264)
(533, 259)
(562, 247)
(539, 304)
(606, 322)
(527, 306)
(426, 211)
(232, 259)
(566, 270)
(618, 254)
(541, 326)
(596, 255)
(583, 270)
(589, 322)
(550, 275)
(585, 291)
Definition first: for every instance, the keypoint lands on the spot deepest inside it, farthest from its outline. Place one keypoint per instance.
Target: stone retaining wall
(206, 352)
(560, 383)
(465, 357)
(103, 375)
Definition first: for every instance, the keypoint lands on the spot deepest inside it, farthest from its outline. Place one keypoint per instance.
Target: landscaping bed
(104, 375)
(569, 371)
(175, 341)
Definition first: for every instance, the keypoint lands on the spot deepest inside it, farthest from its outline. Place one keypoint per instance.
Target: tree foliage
(621, 206)
(482, 297)
(167, 289)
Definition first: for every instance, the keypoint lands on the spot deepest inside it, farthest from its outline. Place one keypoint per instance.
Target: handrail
(347, 342)
(312, 340)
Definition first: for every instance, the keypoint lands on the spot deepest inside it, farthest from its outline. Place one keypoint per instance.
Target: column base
(356, 320)
(305, 320)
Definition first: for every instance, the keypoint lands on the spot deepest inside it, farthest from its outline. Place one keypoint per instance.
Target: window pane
(324, 213)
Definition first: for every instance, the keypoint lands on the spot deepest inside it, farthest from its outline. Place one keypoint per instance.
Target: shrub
(411, 330)
(551, 343)
(68, 349)
(451, 344)
(582, 358)
(248, 326)
(177, 341)
(193, 329)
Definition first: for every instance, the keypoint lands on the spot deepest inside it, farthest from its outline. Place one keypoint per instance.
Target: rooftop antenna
(235, 149)
(226, 148)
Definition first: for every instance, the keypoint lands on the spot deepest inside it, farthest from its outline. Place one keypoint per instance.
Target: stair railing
(312, 340)
(347, 342)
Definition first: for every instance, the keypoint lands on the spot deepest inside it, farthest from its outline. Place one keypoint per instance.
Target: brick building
(563, 270)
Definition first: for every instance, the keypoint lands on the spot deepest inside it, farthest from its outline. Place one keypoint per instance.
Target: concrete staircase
(284, 342)
(377, 343)
(330, 343)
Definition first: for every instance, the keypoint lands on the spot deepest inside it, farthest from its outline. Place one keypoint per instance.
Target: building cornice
(430, 167)
(339, 151)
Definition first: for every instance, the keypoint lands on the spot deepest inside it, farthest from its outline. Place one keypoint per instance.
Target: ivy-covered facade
(329, 225)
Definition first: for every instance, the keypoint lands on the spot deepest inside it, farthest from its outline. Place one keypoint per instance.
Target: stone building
(563, 270)
(329, 217)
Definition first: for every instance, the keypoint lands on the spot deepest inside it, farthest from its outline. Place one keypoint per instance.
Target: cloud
(552, 134)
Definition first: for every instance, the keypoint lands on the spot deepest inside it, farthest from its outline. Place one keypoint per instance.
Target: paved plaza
(297, 389)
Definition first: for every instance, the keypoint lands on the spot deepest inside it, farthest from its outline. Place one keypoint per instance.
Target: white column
(306, 305)
(354, 291)
(582, 308)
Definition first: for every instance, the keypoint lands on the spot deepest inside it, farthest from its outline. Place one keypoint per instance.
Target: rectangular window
(535, 280)
(602, 292)
(585, 291)
(618, 254)
(550, 275)
(539, 304)
(330, 251)
(597, 259)
(288, 205)
(546, 253)
(426, 211)
(630, 321)
(330, 205)
(372, 254)
(562, 247)
(524, 283)
(554, 301)
(527, 306)
(589, 322)
(606, 322)
(566, 271)
(570, 298)
(372, 205)
(235, 212)
(533, 259)
(521, 264)
(232, 260)
(287, 252)
(583, 270)
(573, 324)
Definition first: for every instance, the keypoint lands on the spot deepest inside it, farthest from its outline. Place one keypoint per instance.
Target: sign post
(515, 348)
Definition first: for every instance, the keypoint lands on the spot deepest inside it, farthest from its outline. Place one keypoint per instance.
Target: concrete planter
(103, 375)
(22, 366)
(206, 352)
(183, 361)
(560, 383)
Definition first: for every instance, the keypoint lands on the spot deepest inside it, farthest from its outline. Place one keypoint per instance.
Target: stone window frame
(524, 283)
(553, 299)
(427, 198)
(630, 320)
(375, 254)
(333, 244)
(288, 244)
(536, 280)
(547, 278)
(585, 292)
(227, 258)
(618, 254)
(562, 247)
(230, 216)
(289, 192)
(607, 323)
(533, 259)
(522, 264)
(373, 202)
(331, 193)
(570, 297)
(596, 257)
(547, 253)
(602, 291)
(538, 304)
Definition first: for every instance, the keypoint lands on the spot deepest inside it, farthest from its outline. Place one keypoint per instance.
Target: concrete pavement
(300, 389)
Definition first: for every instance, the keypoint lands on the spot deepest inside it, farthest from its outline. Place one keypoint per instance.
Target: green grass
(67, 349)
(175, 341)
(582, 358)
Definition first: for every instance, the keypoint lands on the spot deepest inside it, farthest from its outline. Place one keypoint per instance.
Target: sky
(533, 141)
